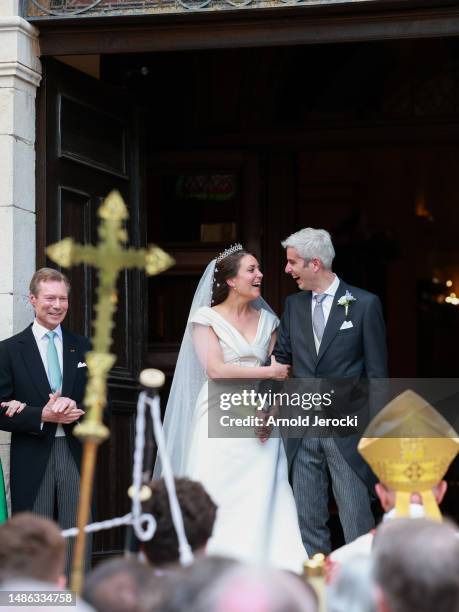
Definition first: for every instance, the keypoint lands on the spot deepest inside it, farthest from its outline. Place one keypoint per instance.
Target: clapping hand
(13, 407)
(61, 409)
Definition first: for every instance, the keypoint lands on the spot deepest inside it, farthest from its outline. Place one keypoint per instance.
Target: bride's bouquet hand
(279, 371)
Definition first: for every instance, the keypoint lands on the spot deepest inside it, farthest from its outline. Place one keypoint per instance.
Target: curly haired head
(198, 511)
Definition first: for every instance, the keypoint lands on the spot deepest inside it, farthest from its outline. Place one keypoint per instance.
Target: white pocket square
(346, 325)
(81, 364)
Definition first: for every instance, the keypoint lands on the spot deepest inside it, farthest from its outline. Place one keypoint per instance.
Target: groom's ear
(317, 263)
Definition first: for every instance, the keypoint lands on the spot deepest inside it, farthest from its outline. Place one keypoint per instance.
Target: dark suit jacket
(23, 378)
(355, 353)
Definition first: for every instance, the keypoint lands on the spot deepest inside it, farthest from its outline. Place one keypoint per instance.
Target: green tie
(54, 369)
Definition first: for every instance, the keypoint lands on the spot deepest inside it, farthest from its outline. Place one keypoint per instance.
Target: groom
(322, 338)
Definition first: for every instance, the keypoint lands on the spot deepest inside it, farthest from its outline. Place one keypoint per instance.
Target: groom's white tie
(318, 318)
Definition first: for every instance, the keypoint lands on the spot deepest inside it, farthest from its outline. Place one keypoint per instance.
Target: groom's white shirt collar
(331, 289)
(328, 301)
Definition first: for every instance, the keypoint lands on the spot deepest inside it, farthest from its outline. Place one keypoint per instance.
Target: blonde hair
(44, 275)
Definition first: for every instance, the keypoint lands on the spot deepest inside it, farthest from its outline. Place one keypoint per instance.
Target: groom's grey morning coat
(356, 352)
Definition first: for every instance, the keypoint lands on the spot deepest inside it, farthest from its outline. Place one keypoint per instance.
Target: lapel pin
(72, 349)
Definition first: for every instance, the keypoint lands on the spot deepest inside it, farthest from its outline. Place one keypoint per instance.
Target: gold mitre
(409, 446)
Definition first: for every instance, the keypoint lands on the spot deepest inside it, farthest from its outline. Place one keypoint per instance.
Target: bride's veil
(188, 379)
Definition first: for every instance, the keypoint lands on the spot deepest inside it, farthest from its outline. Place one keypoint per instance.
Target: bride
(229, 334)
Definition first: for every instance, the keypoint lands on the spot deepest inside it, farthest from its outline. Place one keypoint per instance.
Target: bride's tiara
(232, 249)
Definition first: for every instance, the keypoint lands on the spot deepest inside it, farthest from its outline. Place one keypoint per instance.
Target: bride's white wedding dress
(256, 518)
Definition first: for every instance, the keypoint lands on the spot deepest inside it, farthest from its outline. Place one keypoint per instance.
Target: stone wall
(20, 75)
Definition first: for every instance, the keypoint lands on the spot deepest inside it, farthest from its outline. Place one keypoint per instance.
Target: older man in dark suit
(329, 330)
(44, 368)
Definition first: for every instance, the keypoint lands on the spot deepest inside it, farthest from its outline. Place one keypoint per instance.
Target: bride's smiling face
(247, 282)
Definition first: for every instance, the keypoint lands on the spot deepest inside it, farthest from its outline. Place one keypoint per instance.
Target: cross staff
(109, 257)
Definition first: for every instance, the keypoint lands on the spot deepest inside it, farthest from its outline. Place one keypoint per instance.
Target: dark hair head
(406, 554)
(117, 584)
(198, 511)
(182, 587)
(225, 269)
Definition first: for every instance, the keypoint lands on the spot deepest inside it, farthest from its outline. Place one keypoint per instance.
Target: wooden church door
(87, 146)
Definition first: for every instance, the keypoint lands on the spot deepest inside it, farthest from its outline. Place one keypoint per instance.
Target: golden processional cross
(109, 257)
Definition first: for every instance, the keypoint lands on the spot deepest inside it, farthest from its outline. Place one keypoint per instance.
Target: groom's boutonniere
(345, 300)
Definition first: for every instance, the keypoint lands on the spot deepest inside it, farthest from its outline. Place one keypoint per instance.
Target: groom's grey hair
(312, 243)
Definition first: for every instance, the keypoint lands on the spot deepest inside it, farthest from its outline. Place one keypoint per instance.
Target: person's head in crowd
(32, 546)
(181, 588)
(354, 589)
(416, 566)
(116, 585)
(409, 446)
(387, 497)
(255, 589)
(198, 511)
